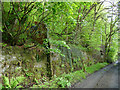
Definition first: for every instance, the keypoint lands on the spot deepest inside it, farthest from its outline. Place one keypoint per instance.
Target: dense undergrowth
(62, 81)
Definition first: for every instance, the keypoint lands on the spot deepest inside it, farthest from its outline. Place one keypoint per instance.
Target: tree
(112, 31)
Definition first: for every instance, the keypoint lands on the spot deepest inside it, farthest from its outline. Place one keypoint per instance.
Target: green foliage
(34, 86)
(19, 86)
(7, 6)
(3, 44)
(20, 79)
(57, 51)
(13, 82)
(59, 43)
(95, 67)
(67, 23)
(44, 79)
(66, 80)
(62, 82)
(6, 82)
(113, 50)
(79, 24)
(36, 81)
(111, 55)
(28, 74)
(78, 75)
(1, 86)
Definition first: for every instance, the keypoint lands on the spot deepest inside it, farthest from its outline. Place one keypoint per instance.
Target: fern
(20, 79)
(14, 83)
(6, 82)
(19, 86)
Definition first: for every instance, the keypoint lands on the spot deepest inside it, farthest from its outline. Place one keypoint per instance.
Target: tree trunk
(49, 71)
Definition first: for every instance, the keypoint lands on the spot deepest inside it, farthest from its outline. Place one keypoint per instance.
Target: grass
(95, 67)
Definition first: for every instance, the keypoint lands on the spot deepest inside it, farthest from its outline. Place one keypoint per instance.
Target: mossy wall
(75, 59)
(34, 61)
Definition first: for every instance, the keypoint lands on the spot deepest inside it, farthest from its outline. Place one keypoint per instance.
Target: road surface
(104, 78)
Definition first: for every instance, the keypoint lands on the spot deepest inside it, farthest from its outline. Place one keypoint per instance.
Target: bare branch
(100, 6)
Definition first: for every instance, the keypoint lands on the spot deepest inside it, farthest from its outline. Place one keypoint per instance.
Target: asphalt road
(104, 78)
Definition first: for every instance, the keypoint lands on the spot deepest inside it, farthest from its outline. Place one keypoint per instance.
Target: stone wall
(35, 59)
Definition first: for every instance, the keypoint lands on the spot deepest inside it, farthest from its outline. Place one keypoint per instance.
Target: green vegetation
(0, 86)
(95, 67)
(63, 81)
(14, 82)
(53, 44)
